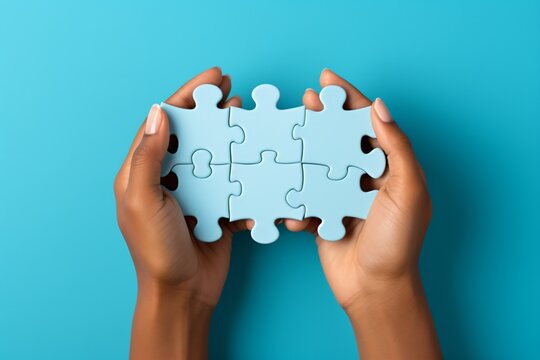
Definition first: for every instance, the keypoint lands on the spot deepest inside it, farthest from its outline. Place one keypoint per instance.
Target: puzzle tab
(268, 163)
(264, 188)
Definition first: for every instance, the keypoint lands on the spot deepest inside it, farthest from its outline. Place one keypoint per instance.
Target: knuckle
(133, 204)
(406, 142)
(160, 268)
(117, 183)
(122, 222)
(421, 198)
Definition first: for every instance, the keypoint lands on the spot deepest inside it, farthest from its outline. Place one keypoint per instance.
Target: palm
(374, 248)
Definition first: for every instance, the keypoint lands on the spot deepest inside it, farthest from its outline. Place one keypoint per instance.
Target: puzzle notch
(267, 128)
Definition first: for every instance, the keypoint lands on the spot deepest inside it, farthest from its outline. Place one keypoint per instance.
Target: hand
(387, 244)
(378, 258)
(182, 275)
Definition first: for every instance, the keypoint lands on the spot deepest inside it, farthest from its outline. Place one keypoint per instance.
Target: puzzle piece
(264, 187)
(204, 127)
(331, 200)
(205, 198)
(267, 128)
(332, 137)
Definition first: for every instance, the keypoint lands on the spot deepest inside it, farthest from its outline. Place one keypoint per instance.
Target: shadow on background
(278, 292)
(445, 246)
(243, 260)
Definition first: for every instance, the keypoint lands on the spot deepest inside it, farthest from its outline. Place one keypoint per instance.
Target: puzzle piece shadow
(256, 268)
(446, 241)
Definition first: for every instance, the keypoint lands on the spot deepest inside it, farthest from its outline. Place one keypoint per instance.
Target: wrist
(169, 322)
(377, 291)
(167, 296)
(391, 320)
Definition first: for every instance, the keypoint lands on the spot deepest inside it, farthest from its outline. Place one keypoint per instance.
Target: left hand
(161, 243)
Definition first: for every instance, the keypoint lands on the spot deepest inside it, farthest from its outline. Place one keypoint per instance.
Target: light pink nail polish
(153, 120)
(382, 111)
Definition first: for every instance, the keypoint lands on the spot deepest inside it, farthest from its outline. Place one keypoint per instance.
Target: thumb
(144, 175)
(401, 159)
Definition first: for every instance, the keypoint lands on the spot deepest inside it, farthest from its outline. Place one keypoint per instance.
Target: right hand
(385, 247)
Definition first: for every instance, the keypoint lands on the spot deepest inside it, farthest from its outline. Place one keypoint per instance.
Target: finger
(239, 225)
(183, 97)
(225, 87)
(313, 225)
(296, 225)
(301, 225)
(144, 175)
(235, 101)
(311, 100)
(401, 159)
(121, 180)
(355, 99)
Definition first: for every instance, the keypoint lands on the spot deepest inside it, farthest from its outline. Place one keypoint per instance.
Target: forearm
(392, 321)
(169, 324)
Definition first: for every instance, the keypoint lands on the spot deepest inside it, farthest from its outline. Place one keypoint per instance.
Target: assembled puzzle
(267, 163)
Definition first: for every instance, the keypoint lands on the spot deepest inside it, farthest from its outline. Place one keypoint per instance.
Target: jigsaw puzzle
(268, 163)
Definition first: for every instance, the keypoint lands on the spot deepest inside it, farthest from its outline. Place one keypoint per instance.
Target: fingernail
(382, 111)
(323, 70)
(308, 89)
(153, 120)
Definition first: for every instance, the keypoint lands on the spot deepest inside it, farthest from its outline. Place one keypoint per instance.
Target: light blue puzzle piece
(332, 137)
(204, 127)
(331, 200)
(267, 128)
(205, 198)
(264, 187)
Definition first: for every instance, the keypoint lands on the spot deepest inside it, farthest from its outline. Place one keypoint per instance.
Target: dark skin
(373, 272)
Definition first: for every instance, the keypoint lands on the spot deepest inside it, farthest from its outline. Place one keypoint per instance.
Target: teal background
(76, 79)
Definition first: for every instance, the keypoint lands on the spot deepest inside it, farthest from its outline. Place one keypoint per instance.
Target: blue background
(76, 79)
